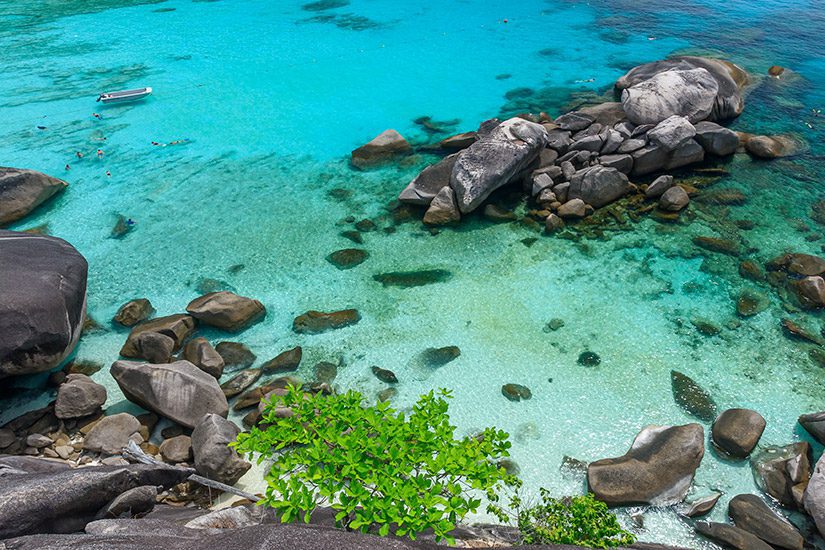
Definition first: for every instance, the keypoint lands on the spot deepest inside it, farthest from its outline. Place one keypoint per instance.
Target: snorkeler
(100, 153)
(108, 174)
(79, 155)
(68, 167)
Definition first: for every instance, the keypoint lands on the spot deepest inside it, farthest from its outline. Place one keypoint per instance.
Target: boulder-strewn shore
(669, 116)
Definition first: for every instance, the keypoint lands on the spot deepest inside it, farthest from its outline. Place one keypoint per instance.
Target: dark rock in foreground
(658, 469)
(21, 191)
(63, 502)
(41, 320)
(730, 536)
(214, 459)
(749, 512)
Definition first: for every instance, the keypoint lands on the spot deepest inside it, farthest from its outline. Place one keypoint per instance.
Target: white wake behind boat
(124, 96)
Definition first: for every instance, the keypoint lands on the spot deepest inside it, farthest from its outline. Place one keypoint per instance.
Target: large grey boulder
(654, 158)
(79, 396)
(782, 472)
(495, 160)
(139, 500)
(749, 512)
(21, 191)
(179, 391)
(814, 496)
(598, 186)
(65, 501)
(214, 459)
(658, 469)
(683, 92)
(41, 320)
(226, 310)
(716, 140)
(672, 132)
(432, 179)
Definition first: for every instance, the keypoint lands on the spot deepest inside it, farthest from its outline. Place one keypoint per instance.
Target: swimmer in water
(97, 116)
(68, 167)
(79, 155)
(130, 221)
(108, 174)
(100, 153)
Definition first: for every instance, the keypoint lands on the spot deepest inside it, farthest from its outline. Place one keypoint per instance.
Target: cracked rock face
(494, 160)
(41, 321)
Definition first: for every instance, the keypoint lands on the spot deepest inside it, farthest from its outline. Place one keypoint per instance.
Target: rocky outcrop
(658, 469)
(737, 431)
(495, 160)
(178, 327)
(214, 459)
(41, 321)
(21, 191)
(65, 501)
(699, 88)
(598, 186)
(179, 391)
(79, 396)
(782, 472)
(382, 148)
(749, 512)
(426, 185)
(226, 310)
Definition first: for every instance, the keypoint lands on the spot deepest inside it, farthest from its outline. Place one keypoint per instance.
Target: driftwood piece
(134, 453)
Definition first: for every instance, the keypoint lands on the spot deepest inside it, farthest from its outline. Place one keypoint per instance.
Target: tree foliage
(580, 520)
(377, 468)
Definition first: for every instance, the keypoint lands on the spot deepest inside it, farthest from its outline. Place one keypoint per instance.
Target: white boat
(124, 96)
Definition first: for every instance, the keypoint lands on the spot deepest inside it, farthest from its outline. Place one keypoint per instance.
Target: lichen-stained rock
(226, 310)
(382, 148)
(21, 191)
(658, 469)
(41, 321)
(598, 186)
(179, 391)
(729, 82)
(432, 179)
(494, 160)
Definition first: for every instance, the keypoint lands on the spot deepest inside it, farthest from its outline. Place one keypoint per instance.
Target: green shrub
(376, 467)
(580, 520)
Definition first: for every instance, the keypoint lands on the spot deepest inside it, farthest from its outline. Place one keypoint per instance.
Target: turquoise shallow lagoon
(270, 98)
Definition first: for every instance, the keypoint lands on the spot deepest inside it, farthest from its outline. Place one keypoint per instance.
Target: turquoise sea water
(271, 97)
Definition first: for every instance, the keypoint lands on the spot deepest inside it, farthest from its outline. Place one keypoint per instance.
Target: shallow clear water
(272, 97)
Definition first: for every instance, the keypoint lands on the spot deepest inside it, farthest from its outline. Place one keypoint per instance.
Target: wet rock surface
(315, 322)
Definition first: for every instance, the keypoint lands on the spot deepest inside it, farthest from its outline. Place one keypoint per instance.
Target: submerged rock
(438, 357)
(751, 303)
(179, 391)
(715, 244)
(771, 147)
(737, 431)
(348, 258)
(494, 160)
(658, 469)
(778, 471)
(384, 375)
(408, 279)
(286, 361)
(516, 392)
(325, 372)
(226, 310)
(134, 312)
(235, 354)
(589, 359)
(315, 322)
(384, 147)
(691, 397)
(21, 191)
(811, 292)
(42, 301)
